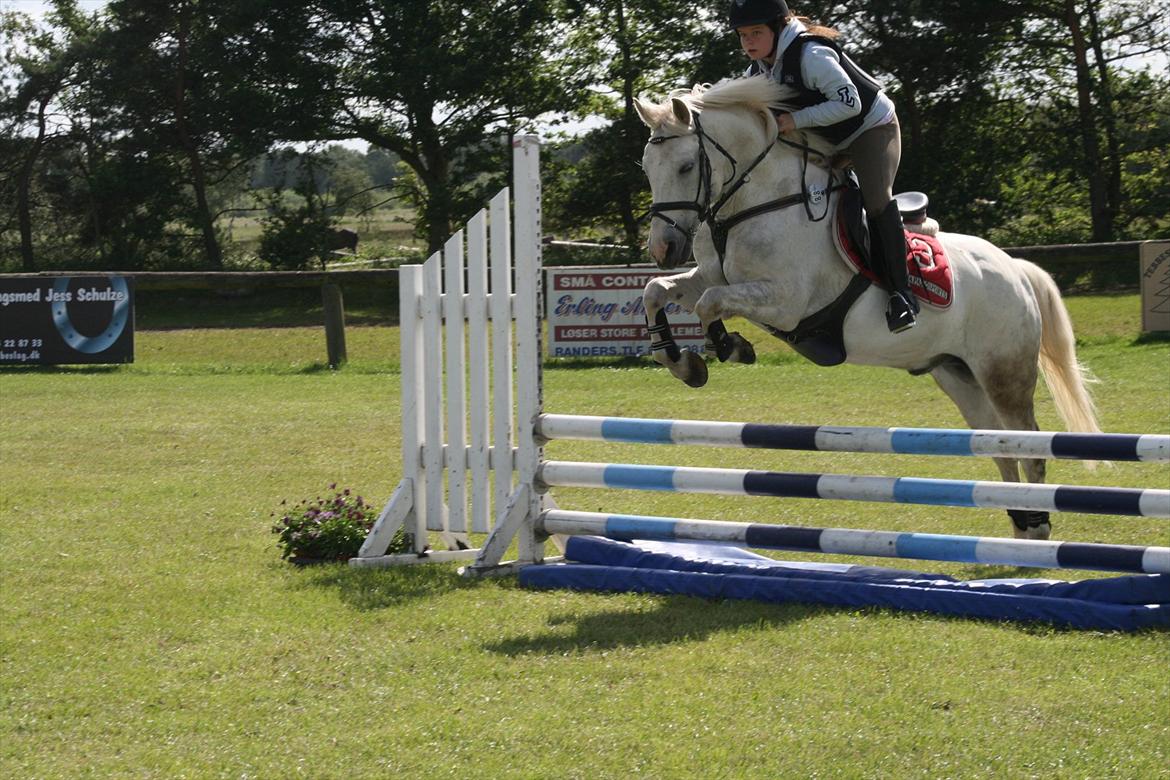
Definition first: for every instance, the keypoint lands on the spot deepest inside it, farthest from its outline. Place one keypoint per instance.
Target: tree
(441, 84)
(205, 84)
(41, 68)
(1075, 52)
(630, 48)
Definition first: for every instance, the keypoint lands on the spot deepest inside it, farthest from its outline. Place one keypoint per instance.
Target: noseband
(708, 212)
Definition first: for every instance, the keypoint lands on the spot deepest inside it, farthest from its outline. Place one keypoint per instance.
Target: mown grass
(149, 628)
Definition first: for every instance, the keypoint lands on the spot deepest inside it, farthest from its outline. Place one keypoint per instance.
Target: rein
(708, 213)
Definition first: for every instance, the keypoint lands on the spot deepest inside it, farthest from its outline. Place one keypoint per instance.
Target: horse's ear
(682, 111)
(645, 112)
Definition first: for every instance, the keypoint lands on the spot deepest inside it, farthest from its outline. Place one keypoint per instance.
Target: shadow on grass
(672, 619)
(1153, 337)
(366, 589)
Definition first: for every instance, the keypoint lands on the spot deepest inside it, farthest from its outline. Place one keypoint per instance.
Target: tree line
(127, 135)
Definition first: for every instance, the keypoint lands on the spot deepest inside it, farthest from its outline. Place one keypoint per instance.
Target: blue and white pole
(835, 438)
(899, 490)
(883, 544)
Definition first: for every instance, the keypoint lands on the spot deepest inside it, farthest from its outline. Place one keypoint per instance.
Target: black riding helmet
(744, 13)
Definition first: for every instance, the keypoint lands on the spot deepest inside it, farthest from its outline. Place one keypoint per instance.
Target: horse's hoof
(1039, 532)
(1030, 523)
(744, 351)
(696, 375)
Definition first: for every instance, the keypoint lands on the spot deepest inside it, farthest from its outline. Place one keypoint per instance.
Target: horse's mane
(752, 93)
(755, 93)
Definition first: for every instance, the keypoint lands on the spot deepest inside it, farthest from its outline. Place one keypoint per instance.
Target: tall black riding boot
(890, 247)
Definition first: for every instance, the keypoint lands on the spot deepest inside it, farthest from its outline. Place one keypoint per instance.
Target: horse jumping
(729, 191)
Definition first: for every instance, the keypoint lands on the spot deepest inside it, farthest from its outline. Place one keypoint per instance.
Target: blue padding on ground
(1126, 603)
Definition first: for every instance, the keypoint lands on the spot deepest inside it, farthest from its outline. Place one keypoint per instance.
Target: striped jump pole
(835, 438)
(884, 544)
(898, 490)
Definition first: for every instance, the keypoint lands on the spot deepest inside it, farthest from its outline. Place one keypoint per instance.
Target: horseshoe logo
(91, 345)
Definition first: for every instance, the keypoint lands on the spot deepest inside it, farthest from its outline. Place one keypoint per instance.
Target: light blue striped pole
(900, 490)
(831, 438)
(884, 544)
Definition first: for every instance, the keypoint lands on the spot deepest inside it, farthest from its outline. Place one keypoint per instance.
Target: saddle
(820, 336)
(926, 260)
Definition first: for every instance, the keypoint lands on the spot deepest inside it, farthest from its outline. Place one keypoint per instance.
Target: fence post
(334, 324)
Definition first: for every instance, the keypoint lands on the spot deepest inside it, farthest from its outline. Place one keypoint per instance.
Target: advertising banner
(66, 319)
(597, 312)
(1155, 279)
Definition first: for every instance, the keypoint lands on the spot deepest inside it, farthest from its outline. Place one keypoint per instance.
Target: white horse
(719, 175)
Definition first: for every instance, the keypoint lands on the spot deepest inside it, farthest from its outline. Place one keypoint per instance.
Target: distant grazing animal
(342, 238)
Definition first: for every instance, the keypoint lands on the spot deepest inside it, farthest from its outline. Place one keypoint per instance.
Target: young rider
(845, 105)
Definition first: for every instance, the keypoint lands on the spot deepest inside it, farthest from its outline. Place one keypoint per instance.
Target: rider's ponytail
(814, 28)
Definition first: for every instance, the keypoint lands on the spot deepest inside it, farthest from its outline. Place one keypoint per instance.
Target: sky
(38, 7)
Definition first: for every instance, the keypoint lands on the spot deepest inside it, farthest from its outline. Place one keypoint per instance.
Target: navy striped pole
(833, 438)
(899, 490)
(884, 544)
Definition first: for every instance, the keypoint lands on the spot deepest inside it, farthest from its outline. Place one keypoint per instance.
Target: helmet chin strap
(775, 26)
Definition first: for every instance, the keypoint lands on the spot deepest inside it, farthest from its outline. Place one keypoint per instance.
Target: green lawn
(150, 628)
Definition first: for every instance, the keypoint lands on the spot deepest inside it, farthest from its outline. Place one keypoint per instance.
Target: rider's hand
(785, 123)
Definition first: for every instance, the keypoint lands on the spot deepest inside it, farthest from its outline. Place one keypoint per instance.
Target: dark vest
(789, 64)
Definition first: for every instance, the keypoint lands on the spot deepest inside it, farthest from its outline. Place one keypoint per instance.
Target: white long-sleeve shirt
(820, 69)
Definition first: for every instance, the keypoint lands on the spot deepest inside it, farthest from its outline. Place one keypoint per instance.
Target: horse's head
(672, 164)
(691, 161)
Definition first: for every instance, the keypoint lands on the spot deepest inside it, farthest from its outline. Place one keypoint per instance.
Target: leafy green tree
(296, 231)
(1073, 61)
(441, 84)
(204, 84)
(629, 48)
(40, 66)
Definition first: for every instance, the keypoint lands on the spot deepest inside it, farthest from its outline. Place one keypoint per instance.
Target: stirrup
(899, 314)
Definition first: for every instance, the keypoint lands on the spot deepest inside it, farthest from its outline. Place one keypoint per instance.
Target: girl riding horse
(844, 105)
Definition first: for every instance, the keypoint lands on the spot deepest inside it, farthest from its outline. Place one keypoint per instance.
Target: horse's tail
(1066, 378)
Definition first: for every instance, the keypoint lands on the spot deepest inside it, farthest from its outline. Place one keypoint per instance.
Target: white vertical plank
(432, 303)
(529, 374)
(477, 379)
(456, 371)
(501, 314)
(410, 295)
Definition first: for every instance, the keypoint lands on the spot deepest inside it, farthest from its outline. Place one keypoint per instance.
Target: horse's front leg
(727, 346)
(756, 301)
(683, 289)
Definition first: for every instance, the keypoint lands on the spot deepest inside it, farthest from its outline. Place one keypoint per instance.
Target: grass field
(150, 629)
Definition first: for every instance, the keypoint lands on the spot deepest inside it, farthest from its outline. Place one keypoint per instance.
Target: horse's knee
(654, 297)
(709, 307)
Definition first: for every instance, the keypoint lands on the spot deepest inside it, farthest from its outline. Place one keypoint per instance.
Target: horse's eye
(687, 167)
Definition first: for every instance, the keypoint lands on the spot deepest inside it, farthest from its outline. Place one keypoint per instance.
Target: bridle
(708, 212)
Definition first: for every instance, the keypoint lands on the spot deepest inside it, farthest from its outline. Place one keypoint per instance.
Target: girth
(820, 336)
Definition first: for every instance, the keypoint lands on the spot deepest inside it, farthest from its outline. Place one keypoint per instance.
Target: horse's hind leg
(1011, 388)
(981, 411)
